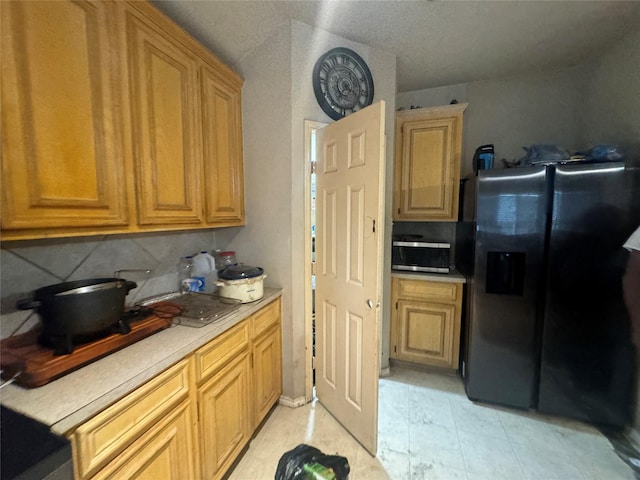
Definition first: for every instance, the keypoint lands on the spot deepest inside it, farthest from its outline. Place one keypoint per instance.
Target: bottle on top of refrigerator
(204, 269)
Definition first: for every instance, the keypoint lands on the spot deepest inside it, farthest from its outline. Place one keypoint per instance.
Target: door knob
(369, 304)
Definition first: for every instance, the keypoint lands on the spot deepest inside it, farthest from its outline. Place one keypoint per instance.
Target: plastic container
(185, 272)
(204, 269)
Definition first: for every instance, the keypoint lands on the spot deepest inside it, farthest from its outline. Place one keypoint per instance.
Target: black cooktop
(29, 449)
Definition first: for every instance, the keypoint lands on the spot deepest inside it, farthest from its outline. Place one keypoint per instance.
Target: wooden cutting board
(37, 365)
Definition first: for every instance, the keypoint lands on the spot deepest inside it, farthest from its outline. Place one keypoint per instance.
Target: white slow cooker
(241, 282)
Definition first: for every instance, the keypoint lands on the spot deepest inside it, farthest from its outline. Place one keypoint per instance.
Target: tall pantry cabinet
(114, 120)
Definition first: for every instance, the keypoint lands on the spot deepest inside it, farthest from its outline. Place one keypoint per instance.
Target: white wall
(513, 112)
(277, 98)
(611, 112)
(265, 240)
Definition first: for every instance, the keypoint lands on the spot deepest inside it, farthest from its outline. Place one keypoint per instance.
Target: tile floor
(428, 429)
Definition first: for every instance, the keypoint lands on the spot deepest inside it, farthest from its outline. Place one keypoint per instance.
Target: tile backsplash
(28, 265)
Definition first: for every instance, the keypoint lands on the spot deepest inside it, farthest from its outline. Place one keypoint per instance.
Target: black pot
(80, 311)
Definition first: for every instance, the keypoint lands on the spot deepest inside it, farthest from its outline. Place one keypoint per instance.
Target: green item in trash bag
(315, 471)
(308, 463)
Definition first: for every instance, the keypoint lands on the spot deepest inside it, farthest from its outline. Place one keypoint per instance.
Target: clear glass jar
(226, 259)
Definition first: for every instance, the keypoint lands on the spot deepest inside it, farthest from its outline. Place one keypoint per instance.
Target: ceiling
(436, 43)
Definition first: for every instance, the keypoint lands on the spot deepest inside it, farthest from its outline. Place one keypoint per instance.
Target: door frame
(310, 126)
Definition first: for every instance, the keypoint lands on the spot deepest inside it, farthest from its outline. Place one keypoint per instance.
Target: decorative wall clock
(342, 82)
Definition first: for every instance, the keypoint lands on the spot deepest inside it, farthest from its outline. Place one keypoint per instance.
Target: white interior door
(349, 247)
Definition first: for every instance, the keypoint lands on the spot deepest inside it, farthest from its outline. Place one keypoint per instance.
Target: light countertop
(452, 277)
(71, 400)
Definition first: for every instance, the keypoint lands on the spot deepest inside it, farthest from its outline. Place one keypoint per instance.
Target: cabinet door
(426, 171)
(163, 78)
(427, 163)
(267, 372)
(105, 436)
(62, 144)
(165, 452)
(224, 405)
(222, 150)
(426, 333)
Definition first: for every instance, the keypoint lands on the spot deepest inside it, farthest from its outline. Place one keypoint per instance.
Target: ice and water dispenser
(505, 273)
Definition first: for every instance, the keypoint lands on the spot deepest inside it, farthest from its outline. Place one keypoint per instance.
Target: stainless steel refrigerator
(546, 326)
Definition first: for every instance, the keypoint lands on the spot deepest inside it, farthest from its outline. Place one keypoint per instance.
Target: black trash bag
(308, 463)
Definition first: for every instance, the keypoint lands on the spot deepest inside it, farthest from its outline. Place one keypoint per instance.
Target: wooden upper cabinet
(222, 149)
(187, 127)
(114, 120)
(163, 78)
(427, 163)
(62, 147)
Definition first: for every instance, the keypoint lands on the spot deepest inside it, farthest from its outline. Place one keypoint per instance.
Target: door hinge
(313, 362)
(398, 209)
(396, 305)
(313, 268)
(374, 226)
(313, 167)
(395, 349)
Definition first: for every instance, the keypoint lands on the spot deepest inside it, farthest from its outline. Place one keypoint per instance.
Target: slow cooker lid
(238, 272)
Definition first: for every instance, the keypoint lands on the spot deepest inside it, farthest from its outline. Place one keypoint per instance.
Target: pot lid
(237, 272)
(82, 286)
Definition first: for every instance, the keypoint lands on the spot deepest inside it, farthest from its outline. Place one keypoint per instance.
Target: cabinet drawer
(221, 350)
(425, 290)
(165, 452)
(265, 318)
(99, 440)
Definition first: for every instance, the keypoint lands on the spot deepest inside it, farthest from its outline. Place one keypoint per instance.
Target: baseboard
(292, 402)
(394, 362)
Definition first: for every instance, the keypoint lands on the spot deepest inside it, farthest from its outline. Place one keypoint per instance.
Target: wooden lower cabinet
(193, 420)
(267, 372)
(164, 452)
(425, 322)
(225, 417)
(114, 431)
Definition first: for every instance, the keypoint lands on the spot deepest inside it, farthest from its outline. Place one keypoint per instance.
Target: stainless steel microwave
(420, 256)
